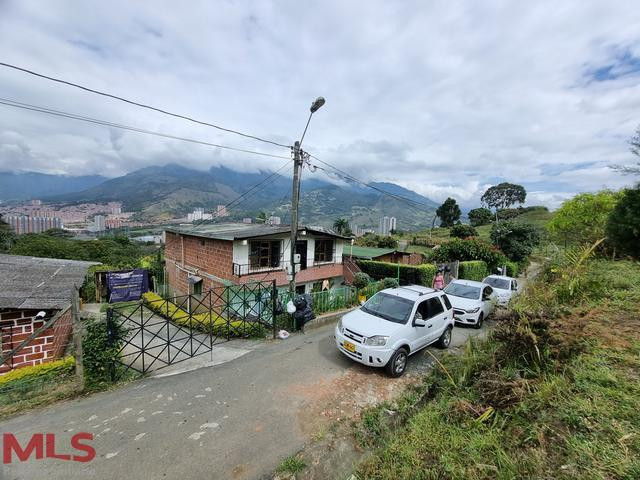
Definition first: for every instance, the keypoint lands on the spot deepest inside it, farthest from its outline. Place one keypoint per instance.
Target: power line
(138, 104)
(345, 175)
(242, 198)
(73, 116)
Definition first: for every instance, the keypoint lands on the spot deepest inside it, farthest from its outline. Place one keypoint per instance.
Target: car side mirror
(514, 286)
(418, 321)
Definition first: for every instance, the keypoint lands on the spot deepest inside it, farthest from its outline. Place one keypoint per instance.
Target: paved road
(232, 421)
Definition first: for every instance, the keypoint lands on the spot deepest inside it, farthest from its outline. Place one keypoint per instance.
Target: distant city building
(98, 223)
(28, 224)
(221, 211)
(387, 224)
(116, 210)
(359, 232)
(247, 220)
(36, 203)
(274, 220)
(198, 214)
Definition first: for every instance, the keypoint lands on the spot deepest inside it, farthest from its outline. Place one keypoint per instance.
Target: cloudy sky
(444, 98)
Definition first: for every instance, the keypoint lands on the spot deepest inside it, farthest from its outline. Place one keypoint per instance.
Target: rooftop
(46, 283)
(241, 231)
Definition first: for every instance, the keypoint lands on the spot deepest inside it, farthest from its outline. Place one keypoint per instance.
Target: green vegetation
(361, 280)
(7, 237)
(293, 464)
(390, 282)
(583, 219)
(504, 195)
(28, 387)
(553, 392)
(374, 240)
(101, 353)
(473, 270)
(407, 274)
(471, 249)
(516, 240)
(341, 227)
(623, 224)
(448, 213)
(480, 216)
(463, 231)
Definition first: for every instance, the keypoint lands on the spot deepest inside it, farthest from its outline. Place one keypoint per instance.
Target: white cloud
(444, 98)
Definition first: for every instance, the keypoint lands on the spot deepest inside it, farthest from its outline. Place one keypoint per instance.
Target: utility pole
(298, 160)
(295, 195)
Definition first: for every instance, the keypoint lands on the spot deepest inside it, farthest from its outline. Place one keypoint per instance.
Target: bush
(378, 241)
(56, 370)
(389, 282)
(471, 249)
(99, 354)
(463, 231)
(473, 270)
(409, 274)
(361, 280)
(623, 225)
(513, 269)
(516, 240)
(208, 322)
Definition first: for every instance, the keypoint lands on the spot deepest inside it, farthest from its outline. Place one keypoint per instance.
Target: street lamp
(295, 195)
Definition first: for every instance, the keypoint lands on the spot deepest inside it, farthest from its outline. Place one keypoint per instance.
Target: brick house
(29, 286)
(390, 255)
(197, 259)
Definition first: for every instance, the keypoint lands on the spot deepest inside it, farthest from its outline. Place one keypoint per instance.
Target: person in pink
(438, 281)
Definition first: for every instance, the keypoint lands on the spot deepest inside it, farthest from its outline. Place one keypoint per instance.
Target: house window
(324, 251)
(197, 288)
(264, 254)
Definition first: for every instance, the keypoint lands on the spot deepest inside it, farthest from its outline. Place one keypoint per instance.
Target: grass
(554, 393)
(293, 464)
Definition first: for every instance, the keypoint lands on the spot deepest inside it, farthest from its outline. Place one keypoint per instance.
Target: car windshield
(464, 291)
(500, 283)
(389, 307)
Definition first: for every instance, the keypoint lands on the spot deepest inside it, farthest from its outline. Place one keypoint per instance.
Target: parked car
(394, 324)
(473, 302)
(505, 287)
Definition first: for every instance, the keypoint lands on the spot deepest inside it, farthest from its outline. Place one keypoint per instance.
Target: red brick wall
(216, 258)
(205, 254)
(17, 325)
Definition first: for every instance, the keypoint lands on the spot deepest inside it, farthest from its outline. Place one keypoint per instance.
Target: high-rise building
(221, 211)
(27, 224)
(387, 224)
(272, 220)
(198, 214)
(98, 223)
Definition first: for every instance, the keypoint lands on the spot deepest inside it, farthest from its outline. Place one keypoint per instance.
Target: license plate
(349, 346)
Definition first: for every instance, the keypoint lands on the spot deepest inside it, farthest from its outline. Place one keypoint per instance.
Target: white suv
(393, 324)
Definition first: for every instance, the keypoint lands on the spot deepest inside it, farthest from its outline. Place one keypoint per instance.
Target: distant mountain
(24, 186)
(173, 190)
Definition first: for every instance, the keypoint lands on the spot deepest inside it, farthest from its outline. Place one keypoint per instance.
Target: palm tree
(341, 226)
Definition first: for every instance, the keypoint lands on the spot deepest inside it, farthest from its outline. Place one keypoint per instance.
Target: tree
(480, 216)
(516, 240)
(7, 237)
(623, 225)
(470, 249)
(262, 217)
(341, 227)
(504, 195)
(463, 231)
(583, 219)
(449, 212)
(635, 149)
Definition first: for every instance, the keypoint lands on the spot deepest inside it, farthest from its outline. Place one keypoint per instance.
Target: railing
(241, 269)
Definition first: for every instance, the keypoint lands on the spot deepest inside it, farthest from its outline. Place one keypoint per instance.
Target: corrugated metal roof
(241, 231)
(33, 282)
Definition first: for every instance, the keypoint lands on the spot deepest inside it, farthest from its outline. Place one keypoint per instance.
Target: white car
(472, 301)
(393, 324)
(505, 287)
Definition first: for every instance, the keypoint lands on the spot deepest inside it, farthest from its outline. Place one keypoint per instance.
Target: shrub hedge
(513, 269)
(417, 274)
(56, 370)
(209, 322)
(471, 249)
(473, 270)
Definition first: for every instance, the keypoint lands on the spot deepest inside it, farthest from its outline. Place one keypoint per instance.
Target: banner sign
(127, 286)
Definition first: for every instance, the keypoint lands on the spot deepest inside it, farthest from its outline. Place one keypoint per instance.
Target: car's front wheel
(397, 364)
(445, 339)
(478, 324)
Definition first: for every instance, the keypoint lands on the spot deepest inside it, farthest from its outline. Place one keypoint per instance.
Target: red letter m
(10, 443)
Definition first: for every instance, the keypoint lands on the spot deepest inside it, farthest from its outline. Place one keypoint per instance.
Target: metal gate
(158, 332)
